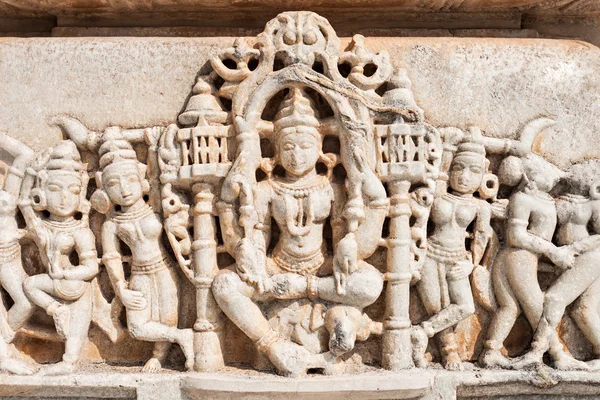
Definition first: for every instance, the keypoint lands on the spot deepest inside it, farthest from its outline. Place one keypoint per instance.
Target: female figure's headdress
(63, 158)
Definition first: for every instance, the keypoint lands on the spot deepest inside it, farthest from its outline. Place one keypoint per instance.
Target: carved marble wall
(311, 204)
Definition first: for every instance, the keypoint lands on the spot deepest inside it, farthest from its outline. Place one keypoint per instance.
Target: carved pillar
(207, 339)
(397, 352)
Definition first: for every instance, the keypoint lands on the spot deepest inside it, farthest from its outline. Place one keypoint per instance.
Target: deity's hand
(563, 257)
(371, 185)
(460, 270)
(345, 261)
(132, 299)
(250, 265)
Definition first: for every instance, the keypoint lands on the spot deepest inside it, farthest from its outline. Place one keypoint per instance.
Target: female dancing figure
(12, 274)
(151, 296)
(62, 236)
(444, 287)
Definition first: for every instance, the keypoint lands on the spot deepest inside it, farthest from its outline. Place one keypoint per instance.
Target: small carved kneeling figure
(299, 266)
(65, 291)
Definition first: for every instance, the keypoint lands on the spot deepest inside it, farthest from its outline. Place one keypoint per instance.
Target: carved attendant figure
(531, 223)
(151, 295)
(444, 287)
(12, 274)
(66, 244)
(299, 267)
(577, 213)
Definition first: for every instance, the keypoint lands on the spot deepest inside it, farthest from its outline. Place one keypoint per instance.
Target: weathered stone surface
(245, 200)
(496, 84)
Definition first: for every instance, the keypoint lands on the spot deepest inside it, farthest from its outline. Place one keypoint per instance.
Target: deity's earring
(489, 186)
(100, 200)
(595, 190)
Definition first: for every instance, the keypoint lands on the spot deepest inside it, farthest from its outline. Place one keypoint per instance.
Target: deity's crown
(65, 157)
(296, 110)
(116, 150)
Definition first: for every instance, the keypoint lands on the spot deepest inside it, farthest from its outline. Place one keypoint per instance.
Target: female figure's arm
(591, 242)
(88, 266)
(112, 257)
(22, 157)
(114, 266)
(483, 232)
(519, 211)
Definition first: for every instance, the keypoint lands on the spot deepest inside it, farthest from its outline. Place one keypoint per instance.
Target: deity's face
(298, 152)
(466, 173)
(8, 204)
(123, 183)
(62, 191)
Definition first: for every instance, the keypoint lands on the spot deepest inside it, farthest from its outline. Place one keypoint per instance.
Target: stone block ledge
(241, 384)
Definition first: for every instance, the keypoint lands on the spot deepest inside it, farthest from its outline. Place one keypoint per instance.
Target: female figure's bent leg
(12, 276)
(430, 294)
(564, 291)
(553, 305)
(81, 316)
(40, 290)
(503, 319)
(586, 315)
(160, 291)
(461, 306)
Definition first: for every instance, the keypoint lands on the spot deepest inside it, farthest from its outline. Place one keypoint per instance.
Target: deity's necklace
(298, 225)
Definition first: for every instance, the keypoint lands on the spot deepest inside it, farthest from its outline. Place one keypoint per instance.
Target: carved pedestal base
(396, 353)
(207, 347)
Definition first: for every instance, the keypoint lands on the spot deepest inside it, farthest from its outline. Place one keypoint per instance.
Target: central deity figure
(299, 266)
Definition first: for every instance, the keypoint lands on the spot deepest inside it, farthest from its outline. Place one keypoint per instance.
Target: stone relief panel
(300, 215)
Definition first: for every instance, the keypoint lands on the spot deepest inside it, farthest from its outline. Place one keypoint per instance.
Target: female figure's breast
(573, 219)
(142, 238)
(451, 219)
(542, 220)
